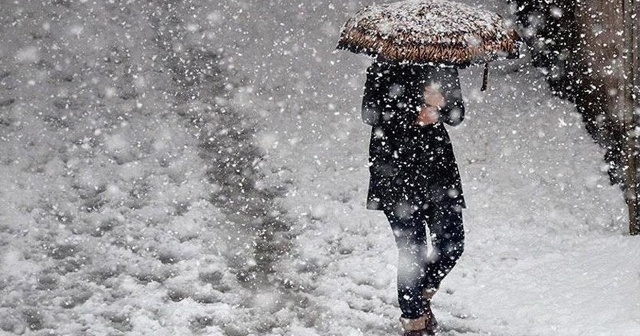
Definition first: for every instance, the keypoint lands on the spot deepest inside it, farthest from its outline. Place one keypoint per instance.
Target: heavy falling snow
(200, 168)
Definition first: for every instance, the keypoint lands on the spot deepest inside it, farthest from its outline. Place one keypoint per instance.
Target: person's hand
(433, 101)
(428, 115)
(433, 96)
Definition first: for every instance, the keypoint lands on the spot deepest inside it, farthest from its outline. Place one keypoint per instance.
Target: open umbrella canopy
(430, 31)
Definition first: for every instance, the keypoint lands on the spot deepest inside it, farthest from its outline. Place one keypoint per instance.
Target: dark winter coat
(410, 165)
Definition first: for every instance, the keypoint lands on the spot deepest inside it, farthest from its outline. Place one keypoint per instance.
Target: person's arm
(452, 112)
(442, 99)
(372, 98)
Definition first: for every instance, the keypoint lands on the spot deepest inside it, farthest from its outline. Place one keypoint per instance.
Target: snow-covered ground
(112, 218)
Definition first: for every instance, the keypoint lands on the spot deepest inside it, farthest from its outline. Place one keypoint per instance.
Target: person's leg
(447, 236)
(410, 235)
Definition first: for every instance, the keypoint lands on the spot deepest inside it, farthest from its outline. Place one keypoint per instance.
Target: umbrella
(430, 31)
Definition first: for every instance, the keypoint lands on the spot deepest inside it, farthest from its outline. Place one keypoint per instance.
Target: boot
(414, 327)
(431, 323)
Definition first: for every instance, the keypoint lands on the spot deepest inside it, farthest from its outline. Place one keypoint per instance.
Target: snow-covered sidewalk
(109, 224)
(546, 249)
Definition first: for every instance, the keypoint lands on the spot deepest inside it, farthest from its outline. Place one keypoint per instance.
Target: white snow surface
(107, 224)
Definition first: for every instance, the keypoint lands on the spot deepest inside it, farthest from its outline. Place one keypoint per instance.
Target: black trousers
(417, 270)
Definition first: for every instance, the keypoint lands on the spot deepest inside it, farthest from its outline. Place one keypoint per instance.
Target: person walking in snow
(414, 177)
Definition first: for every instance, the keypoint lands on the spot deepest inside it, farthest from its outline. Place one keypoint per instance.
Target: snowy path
(107, 224)
(546, 252)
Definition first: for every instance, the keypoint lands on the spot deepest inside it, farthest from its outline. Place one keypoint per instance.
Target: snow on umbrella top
(430, 31)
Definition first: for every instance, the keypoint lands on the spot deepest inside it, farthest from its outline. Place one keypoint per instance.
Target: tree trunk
(630, 120)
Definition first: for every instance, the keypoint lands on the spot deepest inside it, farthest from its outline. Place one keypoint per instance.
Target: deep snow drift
(137, 199)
